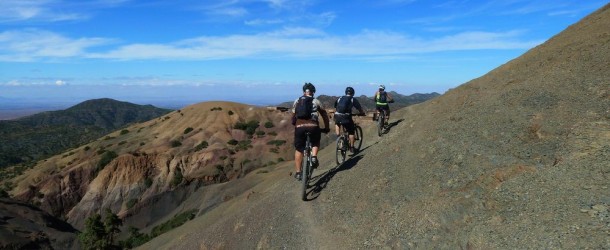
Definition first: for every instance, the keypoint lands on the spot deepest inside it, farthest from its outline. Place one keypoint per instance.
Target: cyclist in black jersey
(308, 124)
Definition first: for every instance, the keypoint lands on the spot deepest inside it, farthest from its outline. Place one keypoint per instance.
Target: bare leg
(298, 158)
(314, 151)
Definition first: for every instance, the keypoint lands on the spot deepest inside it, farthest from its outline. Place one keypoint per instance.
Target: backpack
(344, 104)
(304, 107)
(382, 97)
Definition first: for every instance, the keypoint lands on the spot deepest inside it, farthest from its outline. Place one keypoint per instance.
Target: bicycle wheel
(358, 136)
(341, 150)
(380, 124)
(305, 174)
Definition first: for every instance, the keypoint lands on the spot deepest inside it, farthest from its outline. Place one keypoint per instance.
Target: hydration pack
(304, 107)
(345, 104)
(382, 97)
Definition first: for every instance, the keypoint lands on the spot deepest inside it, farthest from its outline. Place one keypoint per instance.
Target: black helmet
(309, 86)
(350, 91)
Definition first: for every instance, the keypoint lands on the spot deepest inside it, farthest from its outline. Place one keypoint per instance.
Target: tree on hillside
(98, 234)
(111, 225)
(93, 235)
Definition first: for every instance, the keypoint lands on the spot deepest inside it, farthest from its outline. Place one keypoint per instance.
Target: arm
(324, 115)
(358, 106)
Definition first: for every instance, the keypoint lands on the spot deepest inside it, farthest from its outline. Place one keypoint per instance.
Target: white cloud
(261, 22)
(38, 10)
(297, 42)
(33, 44)
(60, 83)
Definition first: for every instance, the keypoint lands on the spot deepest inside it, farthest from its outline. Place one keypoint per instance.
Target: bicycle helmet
(350, 91)
(382, 87)
(309, 86)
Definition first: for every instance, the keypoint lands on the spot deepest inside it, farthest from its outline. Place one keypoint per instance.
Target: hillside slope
(518, 158)
(130, 170)
(48, 133)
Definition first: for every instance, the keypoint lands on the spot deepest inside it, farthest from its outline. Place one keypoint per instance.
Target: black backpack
(304, 107)
(345, 104)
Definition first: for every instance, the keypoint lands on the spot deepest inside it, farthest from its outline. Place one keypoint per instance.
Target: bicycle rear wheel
(305, 174)
(380, 124)
(341, 150)
(358, 134)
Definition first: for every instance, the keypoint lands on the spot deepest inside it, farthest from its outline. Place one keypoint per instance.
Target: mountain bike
(381, 122)
(343, 142)
(306, 167)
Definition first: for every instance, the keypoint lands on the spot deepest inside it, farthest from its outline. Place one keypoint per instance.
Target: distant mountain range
(48, 133)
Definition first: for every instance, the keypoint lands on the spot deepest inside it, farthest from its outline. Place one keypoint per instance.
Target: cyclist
(382, 98)
(343, 114)
(305, 116)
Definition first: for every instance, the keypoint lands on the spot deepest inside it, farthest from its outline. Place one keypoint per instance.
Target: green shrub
(107, 157)
(87, 148)
(187, 130)
(269, 124)
(202, 145)
(231, 112)
(176, 143)
(131, 203)
(276, 142)
(124, 131)
(148, 182)
(272, 133)
(243, 145)
(250, 127)
(232, 142)
(178, 177)
(176, 221)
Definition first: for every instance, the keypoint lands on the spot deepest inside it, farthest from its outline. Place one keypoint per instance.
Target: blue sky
(262, 51)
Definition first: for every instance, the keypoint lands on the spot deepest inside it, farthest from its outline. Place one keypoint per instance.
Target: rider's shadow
(323, 180)
(392, 124)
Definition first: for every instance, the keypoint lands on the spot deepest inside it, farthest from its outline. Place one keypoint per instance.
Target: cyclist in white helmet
(382, 100)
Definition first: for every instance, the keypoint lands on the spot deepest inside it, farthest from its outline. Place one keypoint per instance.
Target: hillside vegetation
(28, 139)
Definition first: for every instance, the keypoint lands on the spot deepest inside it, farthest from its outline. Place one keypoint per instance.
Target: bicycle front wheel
(341, 150)
(305, 174)
(358, 134)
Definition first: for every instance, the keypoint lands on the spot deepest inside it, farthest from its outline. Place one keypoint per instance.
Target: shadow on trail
(321, 181)
(392, 124)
